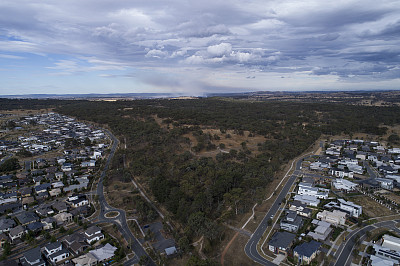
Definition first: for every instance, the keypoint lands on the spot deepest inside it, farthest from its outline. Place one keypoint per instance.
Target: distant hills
(92, 96)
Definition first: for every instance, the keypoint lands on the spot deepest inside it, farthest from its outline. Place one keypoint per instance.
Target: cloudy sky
(195, 47)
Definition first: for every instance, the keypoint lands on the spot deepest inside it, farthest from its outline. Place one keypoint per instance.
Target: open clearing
(371, 207)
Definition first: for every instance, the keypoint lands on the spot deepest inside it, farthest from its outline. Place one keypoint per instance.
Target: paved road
(251, 246)
(120, 220)
(370, 171)
(5, 159)
(344, 251)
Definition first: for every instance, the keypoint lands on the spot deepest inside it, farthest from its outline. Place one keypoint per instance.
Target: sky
(197, 47)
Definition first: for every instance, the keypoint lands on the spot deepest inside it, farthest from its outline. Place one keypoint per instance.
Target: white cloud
(219, 49)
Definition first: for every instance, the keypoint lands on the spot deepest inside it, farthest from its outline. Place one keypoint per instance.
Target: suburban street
(345, 250)
(119, 220)
(5, 159)
(251, 246)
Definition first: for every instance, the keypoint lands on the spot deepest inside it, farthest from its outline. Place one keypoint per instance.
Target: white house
(385, 183)
(308, 200)
(334, 217)
(16, 232)
(93, 233)
(322, 231)
(308, 189)
(104, 253)
(343, 184)
(354, 209)
(55, 252)
(341, 173)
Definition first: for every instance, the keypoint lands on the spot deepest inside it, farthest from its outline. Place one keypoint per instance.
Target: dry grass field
(371, 207)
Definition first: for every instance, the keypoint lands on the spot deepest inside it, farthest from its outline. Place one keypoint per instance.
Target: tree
(62, 230)
(184, 244)
(144, 260)
(394, 138)
(87, 142)
(234, 197)
(10, 165)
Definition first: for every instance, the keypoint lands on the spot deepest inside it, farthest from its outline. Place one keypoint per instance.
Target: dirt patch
(371, 207)
(229, 140)
(235, 254)
(119, 194)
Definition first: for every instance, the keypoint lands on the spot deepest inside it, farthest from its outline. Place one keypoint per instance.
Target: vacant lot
(371, 207)
(235, 254)
(120, 194)
(230, 139)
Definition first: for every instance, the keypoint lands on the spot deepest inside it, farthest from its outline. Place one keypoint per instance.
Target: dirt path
(227, 247)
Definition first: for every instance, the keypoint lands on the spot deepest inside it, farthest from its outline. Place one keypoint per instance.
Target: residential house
(280, 242)
(35, 227)
(386, 253)
(85, 260)
(300, 208)
(63, 217)
(6, 225)
(42, 188)
(90, 163)
(54, 252)
(55, 192)
(66, 167)
(76, 243)
(348, 206)
(307, 251)
(322, 231)
(377, 261)
(26, 192)
(44, 210)
(361, 155)
(387, 169)
(308, 200)
(385, 183)
(344, 185)
(341, 173)
(48, 223)
(292, 222)
(93, 233)
(16, 232)
(334, 217)
(57, 184)
(391, 242)
(25, 218)
(306, 212)
(60, 206)
(355, 168)
(80, 211)
(32, 257)
(308, 189)
(370, 184)
(104, 253)
(78, 201)
(42, 195)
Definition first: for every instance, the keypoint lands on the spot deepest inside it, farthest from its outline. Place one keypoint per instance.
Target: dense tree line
(202, 192)
(9, 165)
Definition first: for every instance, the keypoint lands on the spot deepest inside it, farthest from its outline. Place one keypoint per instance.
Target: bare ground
(371, 207)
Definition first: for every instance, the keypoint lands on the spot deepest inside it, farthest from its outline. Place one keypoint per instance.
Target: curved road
(120, 220)
(346, 249)
(251, 246)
